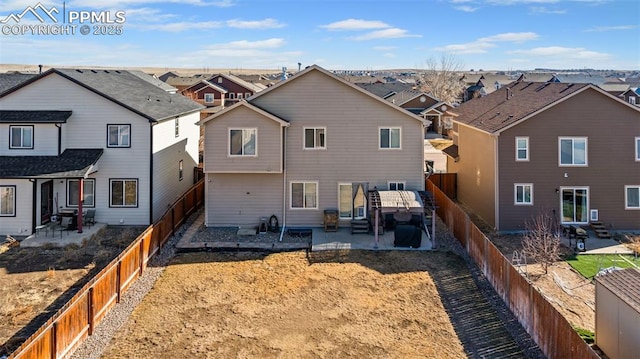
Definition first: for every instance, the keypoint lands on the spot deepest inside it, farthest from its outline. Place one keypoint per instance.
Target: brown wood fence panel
(446, 182)
(200, 193)
(519, 298)
(189, 202)
(476, 247)
(149, 248)
(39, 345)
(72, 326)
(178, 214)
(105, 293)
(129, 266)
(166, 229)
(497, 269)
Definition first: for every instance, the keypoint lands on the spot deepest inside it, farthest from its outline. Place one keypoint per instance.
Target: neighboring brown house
(571, 150)
(206, 93)
(631, 96)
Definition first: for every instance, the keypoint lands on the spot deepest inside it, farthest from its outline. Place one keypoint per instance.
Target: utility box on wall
(618, 313)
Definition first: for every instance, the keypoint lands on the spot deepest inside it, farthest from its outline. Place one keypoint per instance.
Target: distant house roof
(581, 78)
(405, 96)
(451, 151)
(244, 103)
(249, 86)
(10, 116)
(206, 84)
(623, 283)
(72, 163)
(8, 81)
(154, 81)
(125, 89)
(536, 77)
(387, 89)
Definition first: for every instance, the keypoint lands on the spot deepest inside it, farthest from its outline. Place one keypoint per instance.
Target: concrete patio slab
(60, 238)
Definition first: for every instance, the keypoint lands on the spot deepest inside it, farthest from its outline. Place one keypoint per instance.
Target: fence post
(54, 340)
(141, 257)
(118, 280)
(90, 311)
(173, 221)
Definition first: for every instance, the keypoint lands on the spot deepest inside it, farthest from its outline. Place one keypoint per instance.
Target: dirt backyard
(359, 304)
(36, 282)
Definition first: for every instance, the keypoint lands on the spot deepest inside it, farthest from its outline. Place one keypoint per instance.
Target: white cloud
(355, 24)
(611, 28)
(477, 47)
(545, 10)
(123, 3)
(384, 48)
(510, 37)
(262, 44)
(569, 53)
(184, 26)
(389, 55)
(247, 53)
(466, 8)
(393, 33)
(268, 23)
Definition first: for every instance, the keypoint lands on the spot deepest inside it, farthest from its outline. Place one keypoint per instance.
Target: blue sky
(350, 34)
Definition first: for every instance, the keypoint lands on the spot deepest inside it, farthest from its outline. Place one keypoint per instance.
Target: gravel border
(95, 344)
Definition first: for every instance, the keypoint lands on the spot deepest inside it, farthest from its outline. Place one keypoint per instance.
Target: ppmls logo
(66, 22)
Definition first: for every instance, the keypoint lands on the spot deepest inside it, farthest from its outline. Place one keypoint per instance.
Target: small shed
(618, 313)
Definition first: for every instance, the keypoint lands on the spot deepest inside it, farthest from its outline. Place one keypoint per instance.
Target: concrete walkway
(595, 245)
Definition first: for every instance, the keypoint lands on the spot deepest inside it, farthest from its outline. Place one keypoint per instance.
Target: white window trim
(111, 180)
(350, 200)
(118, 145)
(239, 95)
(232, 96)
(526, 159)
(303, 191)
(15, 201)
(404, 185)
(213, 97)
(84, 204)
(637, 145)
(399, 137)
(626, 197)
(515, 194)
(247, 94)
(588, 204)
(176, 127)
(632, 100)
(586, 152)
(229, 141)
(22, 146)
(304, 138)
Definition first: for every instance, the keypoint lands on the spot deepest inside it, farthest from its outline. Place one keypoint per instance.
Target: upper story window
(232, 96)
(176, 125)
(523, 193)
(632, 100)
(21, 137)
(118, 135)
(396, 186)
(88, 192)
(304, 195)
(220, 79)
(315, 138)
(522, 148)
(243, 141)
(390, 137)
(637, 148)
(573, 151)
(7, 201)
(239, 95)
(247, 94)
(632, 197)
(208, 97)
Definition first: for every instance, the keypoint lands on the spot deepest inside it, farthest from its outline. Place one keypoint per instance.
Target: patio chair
(89, 218)
(65, 225)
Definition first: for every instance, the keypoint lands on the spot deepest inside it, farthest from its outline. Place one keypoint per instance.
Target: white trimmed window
(243, 141)
(632, 197)
(523, 193)
(396, 185)
(176, 128)
(632, 100)
(232, 96)
(345, 200)
(390, 137)
(180, 170)
(247, 94)
(304, 195)
(239, 95)
(220, 79)
(209, 98)
(118, 135)
(21, 137)
(123, 193)
(522, 148)
(7, 201)
(88, 192)
(315, 138)
(637, 148)
(572, 151)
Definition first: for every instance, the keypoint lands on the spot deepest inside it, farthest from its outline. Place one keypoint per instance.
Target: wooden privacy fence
(66, 330)
(446, 182)
(550, 330)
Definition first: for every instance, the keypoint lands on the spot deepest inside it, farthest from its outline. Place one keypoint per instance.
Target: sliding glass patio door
(575, 205)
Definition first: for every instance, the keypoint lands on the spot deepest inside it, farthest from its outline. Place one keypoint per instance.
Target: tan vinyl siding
(269, 144)
(611, 129)
(352, 120)
(242, 199)
(476, 172)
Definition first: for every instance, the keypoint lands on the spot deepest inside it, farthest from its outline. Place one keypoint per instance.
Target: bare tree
(541, 240)
(442, 79)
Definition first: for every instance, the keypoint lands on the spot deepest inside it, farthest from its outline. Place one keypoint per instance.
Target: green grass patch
(590, 264)
(588, 336)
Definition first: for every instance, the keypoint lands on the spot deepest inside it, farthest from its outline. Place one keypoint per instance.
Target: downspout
(151, 172)
(284, 181)
(496, 182)
(34, 205)
(59, 126)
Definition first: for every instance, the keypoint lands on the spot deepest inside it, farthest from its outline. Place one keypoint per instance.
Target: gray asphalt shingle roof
(72, 163)
(8, 81)
(127, 90)
(11, 116)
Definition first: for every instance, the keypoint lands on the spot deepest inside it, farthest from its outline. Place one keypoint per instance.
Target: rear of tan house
(491, 179)
(313, 140)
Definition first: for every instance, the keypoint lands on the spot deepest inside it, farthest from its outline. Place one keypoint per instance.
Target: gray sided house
(128, 144)
(571, 150)
(310, 143)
